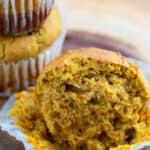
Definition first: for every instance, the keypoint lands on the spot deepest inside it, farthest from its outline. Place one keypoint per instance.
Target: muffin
(22, 58)
(86, 99)
(19, 16)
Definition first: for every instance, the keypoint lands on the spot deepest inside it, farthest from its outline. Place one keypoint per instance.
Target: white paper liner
(7, 125)
(16, 76)
(25, 18)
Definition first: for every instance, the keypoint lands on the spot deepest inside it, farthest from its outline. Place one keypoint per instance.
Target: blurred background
(121, 25)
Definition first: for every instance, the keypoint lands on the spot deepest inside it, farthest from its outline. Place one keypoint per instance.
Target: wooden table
(125, 20)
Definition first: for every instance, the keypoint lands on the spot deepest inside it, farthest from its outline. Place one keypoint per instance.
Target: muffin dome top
(19, 16)
(14, 49)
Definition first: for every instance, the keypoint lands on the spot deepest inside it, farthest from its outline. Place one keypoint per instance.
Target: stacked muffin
(31, 35)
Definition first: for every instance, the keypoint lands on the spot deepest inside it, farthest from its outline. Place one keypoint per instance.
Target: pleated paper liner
(20, 75)
(23, 17)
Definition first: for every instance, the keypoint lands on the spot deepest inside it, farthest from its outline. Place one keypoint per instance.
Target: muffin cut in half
(19, 16)
(86, 99)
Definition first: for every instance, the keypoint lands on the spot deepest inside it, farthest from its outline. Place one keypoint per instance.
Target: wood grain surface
(125, 20)
(9, 143)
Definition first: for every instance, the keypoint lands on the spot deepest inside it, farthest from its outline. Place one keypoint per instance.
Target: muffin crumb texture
(82, 102)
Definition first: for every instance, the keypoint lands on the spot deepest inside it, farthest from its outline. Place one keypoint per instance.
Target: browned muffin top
(13, 49)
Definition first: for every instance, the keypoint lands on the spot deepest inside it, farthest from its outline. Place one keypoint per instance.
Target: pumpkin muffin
(19, 16)
(22, 58)
(86, 99)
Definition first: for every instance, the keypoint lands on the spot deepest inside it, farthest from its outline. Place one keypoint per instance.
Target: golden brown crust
(100, 55)
(24, 47)
(90, 53)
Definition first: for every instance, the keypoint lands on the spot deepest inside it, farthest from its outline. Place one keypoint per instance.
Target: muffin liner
(23, 21)
(6, 122)
(20, 75)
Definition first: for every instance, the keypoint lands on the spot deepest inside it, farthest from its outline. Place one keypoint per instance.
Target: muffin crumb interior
(84, 106)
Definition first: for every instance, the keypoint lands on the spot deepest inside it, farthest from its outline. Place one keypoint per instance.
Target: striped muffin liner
(20, 75)
(23, 21)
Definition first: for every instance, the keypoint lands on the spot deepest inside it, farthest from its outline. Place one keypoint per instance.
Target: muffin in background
(21, 16)
(22, 58)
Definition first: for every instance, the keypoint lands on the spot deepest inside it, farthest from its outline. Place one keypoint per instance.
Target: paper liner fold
(20, 75)
(24, 17)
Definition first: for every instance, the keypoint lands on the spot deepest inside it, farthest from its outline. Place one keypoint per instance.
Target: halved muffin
(86, 99)
(20, 16)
